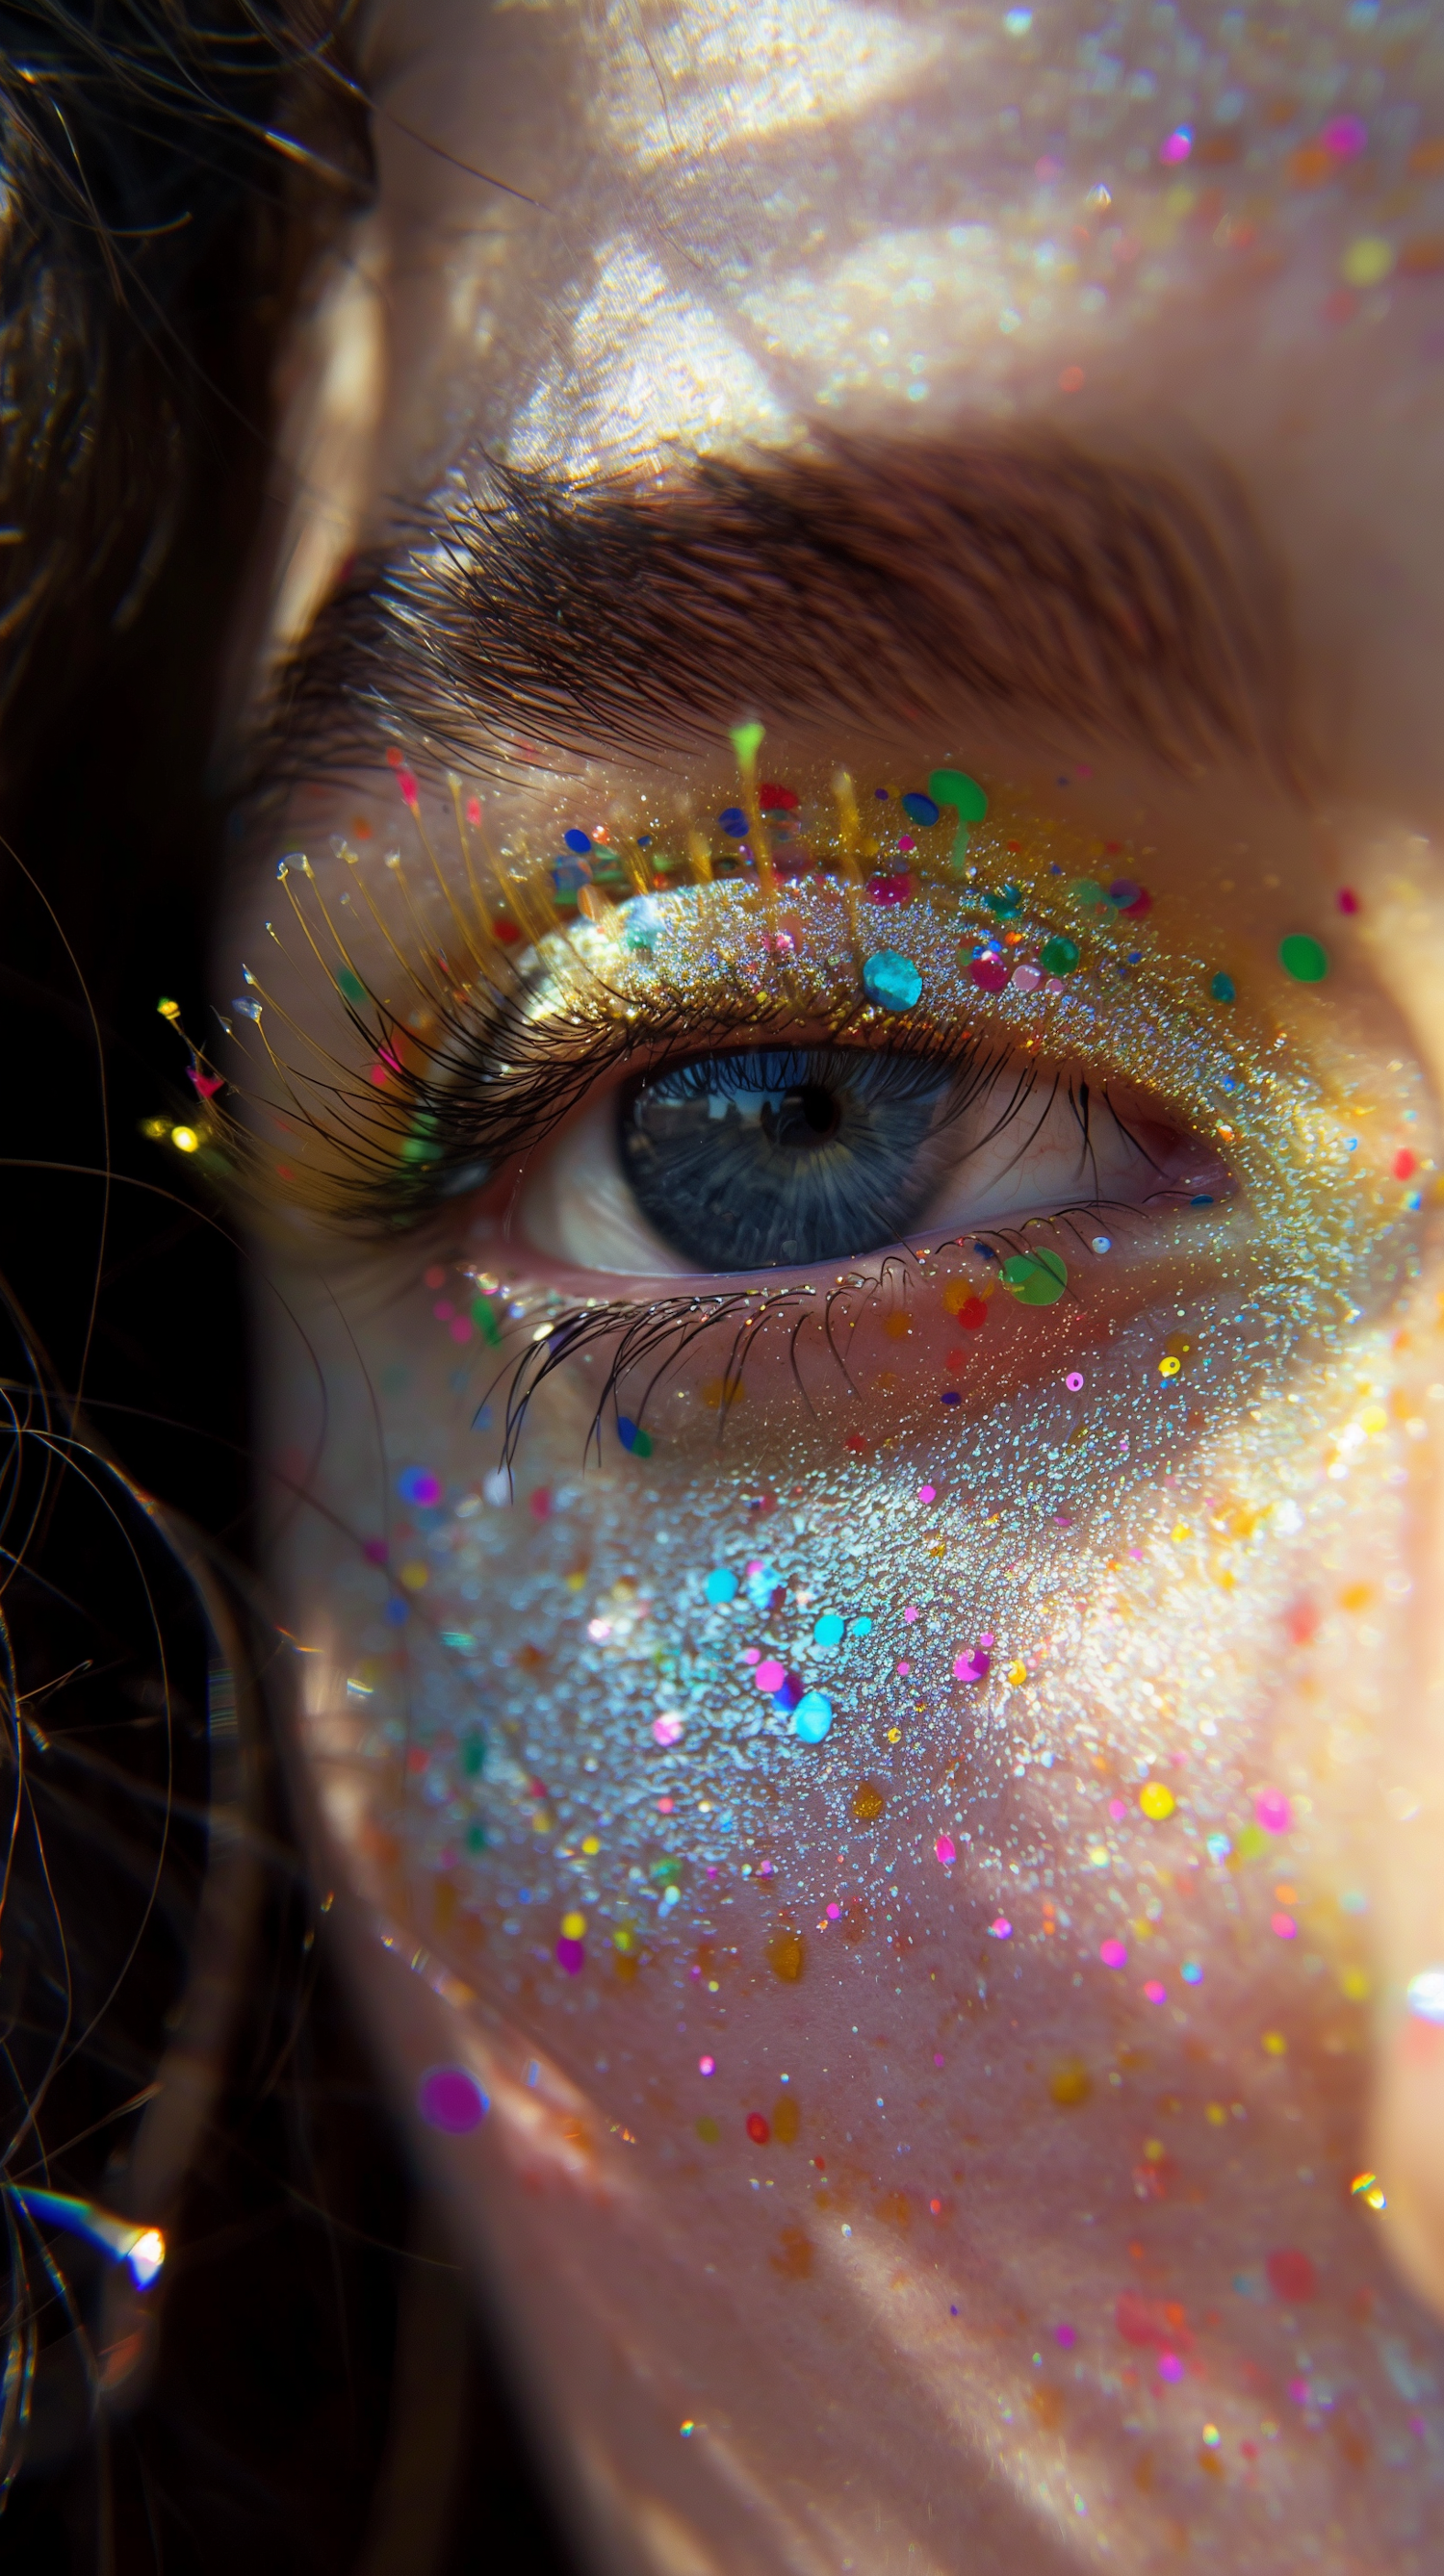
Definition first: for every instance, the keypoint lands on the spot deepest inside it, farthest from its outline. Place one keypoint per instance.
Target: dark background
(302, 2417)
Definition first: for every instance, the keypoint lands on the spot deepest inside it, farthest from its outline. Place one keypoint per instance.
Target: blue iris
(789, 1154)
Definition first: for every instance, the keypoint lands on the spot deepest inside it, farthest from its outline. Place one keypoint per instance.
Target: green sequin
(1036, 1278)
(1303, 958)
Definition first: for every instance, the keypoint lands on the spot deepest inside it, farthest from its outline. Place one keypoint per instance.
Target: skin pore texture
(908, 1776)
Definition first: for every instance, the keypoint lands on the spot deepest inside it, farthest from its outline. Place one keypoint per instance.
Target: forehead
(609, 237)
(746, 217)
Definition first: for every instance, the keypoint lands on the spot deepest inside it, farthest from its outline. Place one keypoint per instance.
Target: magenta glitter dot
(1284, 1926)
(450, 2100)
(971, 1666)
(752, 1654)
(1273, 1811)
(927, 1493)
(1113, 1954)
(571, 1955)
(1067, 2336)
(1345, 137)
(946, 1849)
(1000, 1928)
(770, 1675)
(1117, 1810)
(706, 2065)
(1074, 1381)
(1170, 2367)
(667, 1729)
(1154, 1993)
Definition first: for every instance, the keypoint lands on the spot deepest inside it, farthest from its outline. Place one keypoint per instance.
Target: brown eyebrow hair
(1026, 581)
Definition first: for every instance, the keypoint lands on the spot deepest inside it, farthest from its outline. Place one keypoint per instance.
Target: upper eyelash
(493, 1086)
(471, 1079)
(487, 1083)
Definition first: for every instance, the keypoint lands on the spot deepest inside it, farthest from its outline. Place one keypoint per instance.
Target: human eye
(773, 1157)
(862, 1071)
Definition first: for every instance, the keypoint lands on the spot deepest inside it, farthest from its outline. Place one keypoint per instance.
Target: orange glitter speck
(1311, 166)
(793, 2258)
(1070, 2085)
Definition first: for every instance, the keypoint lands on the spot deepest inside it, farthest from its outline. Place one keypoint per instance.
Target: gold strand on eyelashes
(464, 931)
(849, 832)
(467, 812)
(425, 946)
(463, 841)
(354, 1117)
(372, 1130)
(635, 864)
(382, 1123)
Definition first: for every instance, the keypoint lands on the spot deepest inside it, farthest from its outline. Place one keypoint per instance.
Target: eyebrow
(1024, 581)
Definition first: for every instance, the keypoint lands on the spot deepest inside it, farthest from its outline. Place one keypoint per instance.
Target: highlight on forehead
(1023, 582)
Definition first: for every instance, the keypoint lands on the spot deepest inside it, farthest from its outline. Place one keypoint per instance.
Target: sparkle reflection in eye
(779, 1156)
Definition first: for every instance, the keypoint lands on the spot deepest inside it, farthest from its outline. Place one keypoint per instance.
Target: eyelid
(491, 1059)
(575, 1204)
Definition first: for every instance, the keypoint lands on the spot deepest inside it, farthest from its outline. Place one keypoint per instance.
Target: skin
(930, 2328)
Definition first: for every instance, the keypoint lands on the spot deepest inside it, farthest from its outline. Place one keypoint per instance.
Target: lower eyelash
(659, 1333)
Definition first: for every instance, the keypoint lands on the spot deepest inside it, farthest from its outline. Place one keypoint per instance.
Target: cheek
(945, 1864)
(1053, 1749)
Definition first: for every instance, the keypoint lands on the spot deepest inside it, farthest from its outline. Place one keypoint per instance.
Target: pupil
(808, 1117)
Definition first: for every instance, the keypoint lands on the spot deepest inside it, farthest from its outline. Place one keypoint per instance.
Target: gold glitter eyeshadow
(477, 989)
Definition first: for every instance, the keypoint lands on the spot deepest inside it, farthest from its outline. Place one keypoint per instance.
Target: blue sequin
(891, 980)
(812, 1717)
